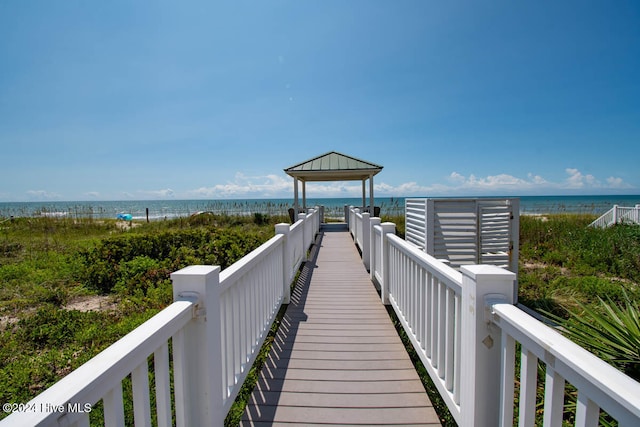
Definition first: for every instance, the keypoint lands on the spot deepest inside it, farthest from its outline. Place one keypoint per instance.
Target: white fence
(216, 326)
(359, 227)
(464, 327)
(618, 214)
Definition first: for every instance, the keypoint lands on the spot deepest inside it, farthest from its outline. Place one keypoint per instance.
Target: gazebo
(332, 166)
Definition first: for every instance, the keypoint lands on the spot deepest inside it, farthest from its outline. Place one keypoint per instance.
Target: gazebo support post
(371, 199)
(304, 196)
(295, 196)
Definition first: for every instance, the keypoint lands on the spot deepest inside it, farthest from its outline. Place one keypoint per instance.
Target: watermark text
(46, 407)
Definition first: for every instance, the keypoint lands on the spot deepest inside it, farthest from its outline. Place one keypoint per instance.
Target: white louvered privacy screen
(466, 231)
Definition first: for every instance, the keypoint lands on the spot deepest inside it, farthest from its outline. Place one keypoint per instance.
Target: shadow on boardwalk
(337, 358)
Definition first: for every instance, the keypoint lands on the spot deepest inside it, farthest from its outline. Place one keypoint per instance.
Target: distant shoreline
(167, 209)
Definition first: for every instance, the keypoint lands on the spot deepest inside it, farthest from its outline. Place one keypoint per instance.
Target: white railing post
(366, 233)
(387, 227)
(198, 353)
(615, 214)
(346, 216)
(357, 225)
(352, 221)
(303, 217)
(287, 269)
(315, 223)
(480, 343)
(374, 249)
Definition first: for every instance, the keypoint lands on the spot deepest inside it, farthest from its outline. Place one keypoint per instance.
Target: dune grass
(47, 265)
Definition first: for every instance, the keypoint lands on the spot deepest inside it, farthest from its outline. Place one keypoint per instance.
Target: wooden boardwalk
(337, 359)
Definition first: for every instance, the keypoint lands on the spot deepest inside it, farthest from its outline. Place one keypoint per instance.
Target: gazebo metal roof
(333, 166)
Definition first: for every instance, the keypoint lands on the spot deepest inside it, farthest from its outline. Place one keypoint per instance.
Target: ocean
(334, 207)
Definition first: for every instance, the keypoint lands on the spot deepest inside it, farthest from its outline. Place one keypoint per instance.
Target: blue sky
(199, 99)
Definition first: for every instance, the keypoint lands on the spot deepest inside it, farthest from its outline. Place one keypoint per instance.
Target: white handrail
(69, 401)
(377, 233)
(618, 214)
(360, 228)
(599, 384)
(251, 292)
(464, 326)
(217, 325)
(426, 296)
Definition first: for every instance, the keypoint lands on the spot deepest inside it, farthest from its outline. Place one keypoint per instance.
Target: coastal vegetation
(588, 281)
(69, 287)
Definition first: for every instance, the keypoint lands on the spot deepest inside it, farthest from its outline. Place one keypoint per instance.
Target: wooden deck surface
(337, 359)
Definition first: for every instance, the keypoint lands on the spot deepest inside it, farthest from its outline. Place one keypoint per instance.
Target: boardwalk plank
(355, 416)
(389, 364)
(337, 387)
(343, 400)
(349, 355)
(337, 359)
(341, 374)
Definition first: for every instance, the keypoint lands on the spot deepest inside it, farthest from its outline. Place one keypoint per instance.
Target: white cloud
(459, 184)
(613, 182)
(456, 178)
(161, 194)
(455, 184)
(246, 186)
(42, 195)
(166, 193)
(578, 180)
(536, 179)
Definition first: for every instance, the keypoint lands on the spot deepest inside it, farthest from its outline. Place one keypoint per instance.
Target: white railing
(360, 230)
(464, 326)
(250, 294)
(427, 295)
(599, 385)
(70, 400)
(216, 326)
(618, 214)
(355, 222)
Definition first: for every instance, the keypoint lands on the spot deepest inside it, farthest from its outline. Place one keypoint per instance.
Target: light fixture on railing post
(480, 343)
(197, 350)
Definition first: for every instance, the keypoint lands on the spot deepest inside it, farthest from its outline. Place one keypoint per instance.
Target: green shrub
(51, 326)
(609, 330)
(589, 262)
(260, 218)
(140, 274)
(109, 263)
